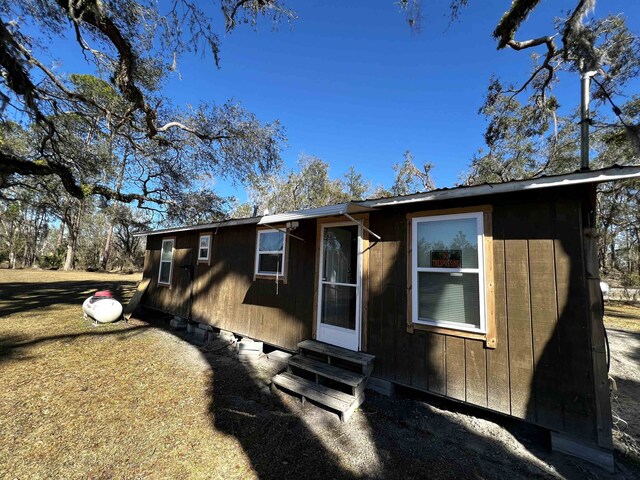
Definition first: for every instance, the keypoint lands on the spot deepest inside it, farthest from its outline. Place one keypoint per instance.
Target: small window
(204, 247)
(166, 262)
(448, 272)
(270, 250)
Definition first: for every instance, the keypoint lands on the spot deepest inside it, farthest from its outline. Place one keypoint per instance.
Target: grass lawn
(137, 401)
(622, 316)
(109, 402)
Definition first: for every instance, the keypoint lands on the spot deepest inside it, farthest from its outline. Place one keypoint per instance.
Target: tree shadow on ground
(388, 438)
(24, 296)
(401, 437)
(15, 347)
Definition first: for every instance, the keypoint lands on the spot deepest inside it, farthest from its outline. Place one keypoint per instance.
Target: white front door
(340, 285)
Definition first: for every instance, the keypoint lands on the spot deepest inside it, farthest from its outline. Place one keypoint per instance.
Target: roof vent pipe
(585, 119)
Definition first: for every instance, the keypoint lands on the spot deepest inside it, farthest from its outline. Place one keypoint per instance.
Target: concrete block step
(326, 370)
(178, 323)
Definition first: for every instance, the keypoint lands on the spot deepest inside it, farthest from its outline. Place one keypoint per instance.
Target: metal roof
(608, 174)
(328, 211)
(207, 226)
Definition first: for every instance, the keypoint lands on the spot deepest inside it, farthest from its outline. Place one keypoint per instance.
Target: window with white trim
(204, 247)
(270, 257)
(166, 261)
(448, 284)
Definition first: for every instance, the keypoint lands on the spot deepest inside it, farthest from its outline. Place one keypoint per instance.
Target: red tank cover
(103, 294)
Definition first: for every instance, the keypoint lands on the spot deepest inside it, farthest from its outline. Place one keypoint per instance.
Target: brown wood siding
(225, 293)
(498, 374)
(541, 370)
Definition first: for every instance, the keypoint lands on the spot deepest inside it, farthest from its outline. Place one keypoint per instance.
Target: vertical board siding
(475, 373)
(498, 377)
(403, 352)
(576, 362)
(436, 367)
(546, 342)
(419, 370)
(455, 367)
(604, 420)
(389, 310)
(519, 319)
(374, 328)
(225, 292)
(541, 369)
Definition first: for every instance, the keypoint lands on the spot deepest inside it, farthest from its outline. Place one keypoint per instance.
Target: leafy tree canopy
(133, 47)
(526, 137)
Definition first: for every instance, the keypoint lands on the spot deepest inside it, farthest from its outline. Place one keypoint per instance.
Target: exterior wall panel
(225, 294)
(542, 368)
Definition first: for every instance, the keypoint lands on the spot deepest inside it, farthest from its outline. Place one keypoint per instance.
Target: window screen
(448, 271)
(204, 247)
(166, 262)
(270, 252)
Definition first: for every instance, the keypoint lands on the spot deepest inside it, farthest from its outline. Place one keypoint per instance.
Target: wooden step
(358, 358)
(341, 402)
(328, 371)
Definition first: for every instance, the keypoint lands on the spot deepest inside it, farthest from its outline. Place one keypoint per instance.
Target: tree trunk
(612, 250)
(104, 258)
(69, 260)
(74, 233)
(60, 235)
(107, 244)
(26, 256)
(12, 259)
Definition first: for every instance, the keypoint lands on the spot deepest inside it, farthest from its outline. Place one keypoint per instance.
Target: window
(448, 274)
(270, 250)
(204, 247)
(166, 262)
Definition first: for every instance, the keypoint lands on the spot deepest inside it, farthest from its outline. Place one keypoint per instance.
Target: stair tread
(326, 396)
(329, 371)
(337, 352)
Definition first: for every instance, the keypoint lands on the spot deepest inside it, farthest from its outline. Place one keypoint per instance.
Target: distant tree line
(42, 225)
(311, 186)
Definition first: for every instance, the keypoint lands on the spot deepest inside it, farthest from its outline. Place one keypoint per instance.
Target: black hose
(606, 342)
(606, 337)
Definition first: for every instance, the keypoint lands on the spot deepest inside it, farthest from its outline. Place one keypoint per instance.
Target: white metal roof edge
(609, 174)
(208, 226)
(326, 211)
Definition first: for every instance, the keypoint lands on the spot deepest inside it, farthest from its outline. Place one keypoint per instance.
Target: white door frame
(341, 337)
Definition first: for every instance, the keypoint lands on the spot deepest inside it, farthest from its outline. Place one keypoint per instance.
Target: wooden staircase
(331, 376)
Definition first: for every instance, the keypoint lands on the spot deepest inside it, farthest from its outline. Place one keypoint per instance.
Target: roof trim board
(327, 211)
(609, 174)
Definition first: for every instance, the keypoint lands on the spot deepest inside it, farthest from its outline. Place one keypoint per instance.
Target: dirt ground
(137, 400)
(623, 328)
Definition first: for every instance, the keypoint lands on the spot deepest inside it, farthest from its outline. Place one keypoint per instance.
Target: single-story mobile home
(487, 295)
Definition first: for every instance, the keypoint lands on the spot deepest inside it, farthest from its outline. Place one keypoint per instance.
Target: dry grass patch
(622, 316)
(115, 401)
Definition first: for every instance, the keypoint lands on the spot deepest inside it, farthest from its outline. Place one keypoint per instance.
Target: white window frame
(208, 257)
(480, 271)
(283, 267)
(173, 247)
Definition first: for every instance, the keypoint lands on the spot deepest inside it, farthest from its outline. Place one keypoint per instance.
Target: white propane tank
(102, 307)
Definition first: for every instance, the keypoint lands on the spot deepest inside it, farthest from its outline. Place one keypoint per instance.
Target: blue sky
(353, 85)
